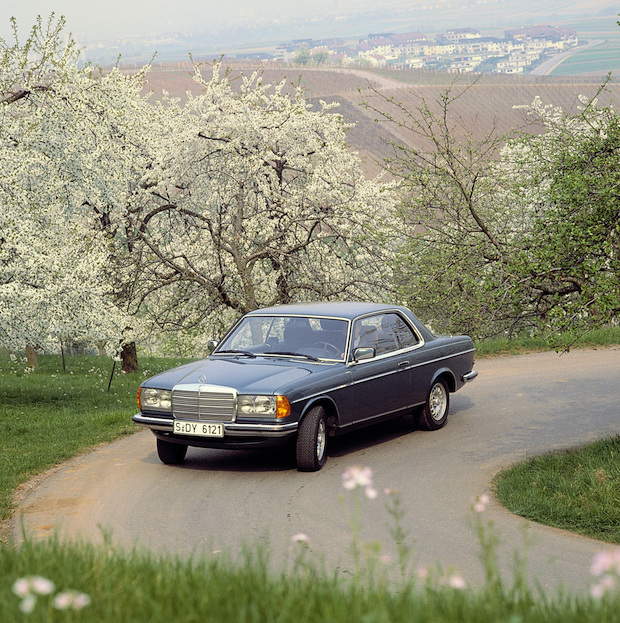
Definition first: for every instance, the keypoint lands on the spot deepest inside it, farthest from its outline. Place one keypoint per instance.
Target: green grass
(600, 59)
(576, 490)
(138, 586)
(595, 61)
(595, 338)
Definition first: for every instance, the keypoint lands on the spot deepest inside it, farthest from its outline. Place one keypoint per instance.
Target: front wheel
(312, 441)
(171, 453)
(434, 413)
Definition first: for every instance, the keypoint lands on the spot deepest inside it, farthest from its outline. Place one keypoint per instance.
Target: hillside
(484, 102)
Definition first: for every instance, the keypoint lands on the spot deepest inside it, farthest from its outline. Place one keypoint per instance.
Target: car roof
(347, 310)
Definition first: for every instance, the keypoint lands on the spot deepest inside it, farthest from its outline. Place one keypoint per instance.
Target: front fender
(333, 415)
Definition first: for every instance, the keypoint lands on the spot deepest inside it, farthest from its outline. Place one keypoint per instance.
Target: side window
(385, 333)
(395, 334)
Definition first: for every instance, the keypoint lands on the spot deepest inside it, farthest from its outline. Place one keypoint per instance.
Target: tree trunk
(129, 358)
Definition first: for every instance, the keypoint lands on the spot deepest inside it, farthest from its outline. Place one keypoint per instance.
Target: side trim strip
(387, 373)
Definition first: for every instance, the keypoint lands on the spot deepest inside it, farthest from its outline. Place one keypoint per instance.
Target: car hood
(254, 376)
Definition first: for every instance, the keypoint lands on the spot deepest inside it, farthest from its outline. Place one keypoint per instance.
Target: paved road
(519, 406)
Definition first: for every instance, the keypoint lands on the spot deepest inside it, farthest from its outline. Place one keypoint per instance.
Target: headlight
(151, 398)
(263, 406)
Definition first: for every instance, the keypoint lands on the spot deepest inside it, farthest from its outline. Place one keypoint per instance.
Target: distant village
(460, 49)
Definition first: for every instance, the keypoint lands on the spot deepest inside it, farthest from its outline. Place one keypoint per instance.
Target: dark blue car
(303, 373)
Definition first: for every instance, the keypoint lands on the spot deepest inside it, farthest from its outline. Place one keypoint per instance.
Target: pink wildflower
(21, 587)
(28, 588)
(28, 603)
(481, 503)
(604, 586)
(33, 585)
(355, 476)
(71, 600)
(457, 581)
(391, 491)
(606, 561)
(42, 586)
(371, 493)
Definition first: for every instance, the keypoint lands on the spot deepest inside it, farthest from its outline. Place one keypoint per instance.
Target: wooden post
(31, 356)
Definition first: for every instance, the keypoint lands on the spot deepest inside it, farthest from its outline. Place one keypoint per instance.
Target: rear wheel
(434, 414)
(312, 441)
(170, 453)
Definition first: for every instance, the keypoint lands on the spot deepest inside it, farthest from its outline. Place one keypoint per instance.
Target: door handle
(403, 364)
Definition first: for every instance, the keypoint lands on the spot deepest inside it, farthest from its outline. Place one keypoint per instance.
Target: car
(303, 373)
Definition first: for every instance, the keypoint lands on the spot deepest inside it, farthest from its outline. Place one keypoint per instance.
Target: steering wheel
(329, 348)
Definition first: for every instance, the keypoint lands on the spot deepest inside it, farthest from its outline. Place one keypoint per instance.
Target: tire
(311, 447)
(170, 453)
(434, 413)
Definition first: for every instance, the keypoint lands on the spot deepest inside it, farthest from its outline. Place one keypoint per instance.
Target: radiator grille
(203, 404)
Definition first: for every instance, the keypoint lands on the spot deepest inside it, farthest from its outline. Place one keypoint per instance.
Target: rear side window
(384, 332)
(405, 336)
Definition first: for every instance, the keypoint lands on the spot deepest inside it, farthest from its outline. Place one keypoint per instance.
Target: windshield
(309, 337)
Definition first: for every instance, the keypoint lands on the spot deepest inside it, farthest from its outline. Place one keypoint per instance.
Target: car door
(380, 383)
(409, 343)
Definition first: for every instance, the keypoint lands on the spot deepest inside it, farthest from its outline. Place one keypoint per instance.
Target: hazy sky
(101, 19)
(93, 20)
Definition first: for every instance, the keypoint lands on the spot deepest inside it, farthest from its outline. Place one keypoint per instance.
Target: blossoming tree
(264, 205)
(53, 262)
(116, 209)
(79, 152)
(508, 233)
(567, 257)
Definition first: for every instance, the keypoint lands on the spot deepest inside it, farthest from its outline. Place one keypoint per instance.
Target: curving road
(518, 406)
(547, 66)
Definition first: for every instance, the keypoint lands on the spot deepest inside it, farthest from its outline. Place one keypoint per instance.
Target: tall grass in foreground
(48, 581)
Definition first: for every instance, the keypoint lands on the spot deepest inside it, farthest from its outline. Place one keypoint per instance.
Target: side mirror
(359, 354)
(212, 345)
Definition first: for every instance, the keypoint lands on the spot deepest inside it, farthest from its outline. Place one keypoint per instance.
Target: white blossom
(115, 210)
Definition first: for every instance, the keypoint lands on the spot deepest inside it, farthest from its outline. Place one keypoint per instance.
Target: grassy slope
(48, 415)
(577, 490)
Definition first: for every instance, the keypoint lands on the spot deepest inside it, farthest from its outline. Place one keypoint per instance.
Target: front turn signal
(284, 407)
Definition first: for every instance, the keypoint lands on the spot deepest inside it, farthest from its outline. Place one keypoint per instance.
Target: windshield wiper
(292, 354)
(247, 353)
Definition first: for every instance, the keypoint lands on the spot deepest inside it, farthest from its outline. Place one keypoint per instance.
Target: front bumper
(231, 429)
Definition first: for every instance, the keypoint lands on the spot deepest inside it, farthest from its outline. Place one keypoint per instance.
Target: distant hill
(486, 102)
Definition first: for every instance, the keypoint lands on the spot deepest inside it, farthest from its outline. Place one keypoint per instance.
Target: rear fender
(448, 375)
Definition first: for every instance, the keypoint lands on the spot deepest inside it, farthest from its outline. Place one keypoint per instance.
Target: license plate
(198, 429)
